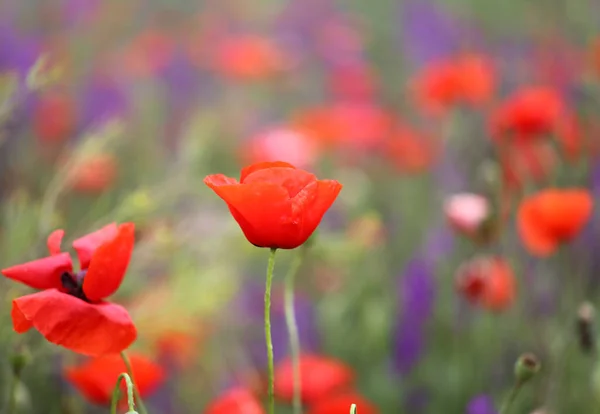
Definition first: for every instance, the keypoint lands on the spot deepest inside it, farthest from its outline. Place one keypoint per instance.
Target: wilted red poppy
(276, 204)
(551, 217)
(340, 404)
(488, 282)
(410, 151)
(54, 117)
(530, 111)
(466, 80)
(93, 174)
(96, 378)
(235, 401)
(282, 143)
(249, 57)
(320, 377)
(468, 214)
(70, 311)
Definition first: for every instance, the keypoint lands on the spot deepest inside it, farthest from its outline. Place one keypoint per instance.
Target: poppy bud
(18, 361)
(585, 329)
(526, 368)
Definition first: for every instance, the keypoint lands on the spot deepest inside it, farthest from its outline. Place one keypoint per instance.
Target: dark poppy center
(73, 283)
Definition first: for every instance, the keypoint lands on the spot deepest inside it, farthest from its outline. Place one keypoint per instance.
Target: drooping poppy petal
(82, 327)
(54, 241)
(320, 377)
(109, 264)
(246, 171)
(41, 273)
(85, 246)
(235, 401)
(96, 378)
(340, 404)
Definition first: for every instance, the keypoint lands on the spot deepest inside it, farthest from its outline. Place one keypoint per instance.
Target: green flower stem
(136, 392)
(290, 320)
(116, 392)
(12, 396)
(268, 339)
(508, 401)
(353, 409)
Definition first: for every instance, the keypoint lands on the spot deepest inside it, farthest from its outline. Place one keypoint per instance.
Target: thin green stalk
(12, 396)
(353, 409)
(290, 320)
(116, 392)
(508, 401)
(136, 392)
(268, 339)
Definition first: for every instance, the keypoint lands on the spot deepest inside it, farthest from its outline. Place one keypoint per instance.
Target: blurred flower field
(399, 196)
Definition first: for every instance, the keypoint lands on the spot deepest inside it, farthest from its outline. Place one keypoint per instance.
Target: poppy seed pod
(526, 367)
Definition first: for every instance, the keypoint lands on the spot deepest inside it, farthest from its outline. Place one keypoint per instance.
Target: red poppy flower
(410, 151)
(319, 376)
(526, 161)
(275, 204)
(340, 404)
(530, 111)
(551, 217)
(95, 379)
(235, 401)
(488, 282)
(94, 174)
(54, 117)
(70, 311)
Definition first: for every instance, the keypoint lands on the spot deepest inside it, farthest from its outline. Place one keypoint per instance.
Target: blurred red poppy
(93, 174)
(530, 111)
(276, 204)
(320, 377)
(551, 217)
(54, 117)
(178, 346)
(410, 151)
(488, 282)
(465, 80)
(352, 82)
(96, 378)
(340, 404)
(526, 161)
(70, 310)
(235, 401)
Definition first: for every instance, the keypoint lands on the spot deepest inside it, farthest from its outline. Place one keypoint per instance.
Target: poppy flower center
(73, 283)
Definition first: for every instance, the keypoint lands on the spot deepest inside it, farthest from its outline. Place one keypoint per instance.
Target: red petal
(246, 171)
(82, 327)
(96, 378)
(263, 212)
(292, 180)
(340, 404)
(85, 246)
(235, 401)
(312, 203)
(42, 273)
(109, 264)
(320, 377)
(54, 240)
(219, 179)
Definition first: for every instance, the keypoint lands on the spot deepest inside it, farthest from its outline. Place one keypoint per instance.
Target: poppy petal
(82, 327)
(263, 212)
(313, 202)
(54, 241)
(219, 179)
(85, 246)
(340, 404)
(246, 171)
(291, 179)
(532, 232)
(109, 264)
(41, 273)
(235, 401)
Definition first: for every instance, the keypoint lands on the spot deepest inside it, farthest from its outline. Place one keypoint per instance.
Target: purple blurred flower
(18, 51)
(77, 12)
(481, 404)
(103, 98)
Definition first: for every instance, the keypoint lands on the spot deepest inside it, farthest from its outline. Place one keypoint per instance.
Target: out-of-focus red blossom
(340, 404)
(410, 151)
(570, 138)
(178, 346)
(148, 53)
(488, 282)
(464, 80)
(347, 125)
(594, 56)
(93, 174)
(70, 310)
(551, 217)
(352, 82)
(468, 214)
(320, 377)
(523, 161)
(235, 401)
(55, 116)
(249, 57)
(95, 379)
(530, 111)
(557, 62)
(283, 143)
(276, 204)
